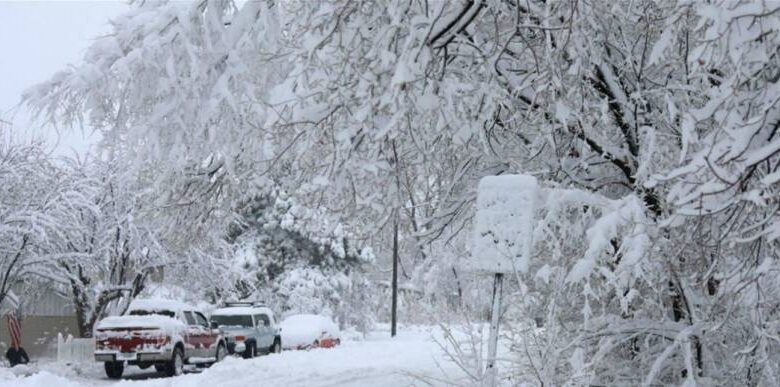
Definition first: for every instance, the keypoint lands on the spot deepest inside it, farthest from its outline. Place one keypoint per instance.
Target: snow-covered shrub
(308, 290)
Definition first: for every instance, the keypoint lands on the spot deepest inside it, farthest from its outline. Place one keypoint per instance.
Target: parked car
(249, 329)
(305, 331)
(160, 333)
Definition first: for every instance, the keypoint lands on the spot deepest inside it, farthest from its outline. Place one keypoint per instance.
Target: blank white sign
(504, 223)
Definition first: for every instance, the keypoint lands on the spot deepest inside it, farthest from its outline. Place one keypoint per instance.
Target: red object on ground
(328, 342)
(15, 329)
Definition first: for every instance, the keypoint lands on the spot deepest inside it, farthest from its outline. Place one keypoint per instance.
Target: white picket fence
(72, 350)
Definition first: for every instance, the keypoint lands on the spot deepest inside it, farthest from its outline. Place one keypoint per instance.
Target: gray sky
(38, 38)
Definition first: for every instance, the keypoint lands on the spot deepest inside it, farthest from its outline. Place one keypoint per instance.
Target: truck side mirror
(214, 325)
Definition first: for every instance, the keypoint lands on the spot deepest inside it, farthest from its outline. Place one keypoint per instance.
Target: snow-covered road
(407, 360)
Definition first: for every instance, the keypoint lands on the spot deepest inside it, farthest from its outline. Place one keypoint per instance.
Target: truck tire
(219, 355)
(114, 369)
(175, 366)
(160, 367)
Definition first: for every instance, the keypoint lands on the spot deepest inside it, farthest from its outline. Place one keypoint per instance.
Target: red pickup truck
(160, 333)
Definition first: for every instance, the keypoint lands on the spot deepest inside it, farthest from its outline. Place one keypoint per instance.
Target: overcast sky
(38, 38)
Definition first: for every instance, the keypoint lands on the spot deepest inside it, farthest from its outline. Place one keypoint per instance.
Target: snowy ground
(413, 358)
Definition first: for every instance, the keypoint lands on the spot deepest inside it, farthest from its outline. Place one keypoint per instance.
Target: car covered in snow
(305, 331)
(161, 333)
(249, 329)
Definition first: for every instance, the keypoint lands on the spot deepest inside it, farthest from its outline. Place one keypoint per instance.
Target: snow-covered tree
(296, 260)
(125, 239)
(22, 170)
(658, 117)
(36, 202)
(108, 251)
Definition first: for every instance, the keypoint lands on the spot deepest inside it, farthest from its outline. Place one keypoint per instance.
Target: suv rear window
(141, 312)
(232, 320)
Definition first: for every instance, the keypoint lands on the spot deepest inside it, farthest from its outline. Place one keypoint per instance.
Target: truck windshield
(141, 312)
(232, 320)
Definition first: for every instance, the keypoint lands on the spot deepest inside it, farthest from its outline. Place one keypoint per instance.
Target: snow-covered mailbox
(503, 239)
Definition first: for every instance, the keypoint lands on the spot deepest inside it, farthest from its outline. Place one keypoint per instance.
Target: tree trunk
(394, 312)
(460, 288)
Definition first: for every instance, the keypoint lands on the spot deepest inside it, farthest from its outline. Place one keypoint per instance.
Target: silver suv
(249, 329)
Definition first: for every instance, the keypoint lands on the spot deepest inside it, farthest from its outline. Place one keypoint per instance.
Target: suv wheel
(250, 351)
(176, 366)
(277, 346)
(114, 369)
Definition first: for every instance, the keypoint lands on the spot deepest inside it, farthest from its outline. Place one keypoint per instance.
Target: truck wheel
(220, 354)
(176, 365)
(250, 351)
(160, 367)
(276, 347)
(114, 369)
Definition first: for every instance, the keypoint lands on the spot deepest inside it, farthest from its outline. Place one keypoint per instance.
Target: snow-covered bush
(310, 291)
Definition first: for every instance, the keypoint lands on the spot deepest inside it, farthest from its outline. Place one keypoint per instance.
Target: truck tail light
(240, 338)
(156, 339)
(161, 340)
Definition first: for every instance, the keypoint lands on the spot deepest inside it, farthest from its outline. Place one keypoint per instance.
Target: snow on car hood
(149, 322)
(303, 329)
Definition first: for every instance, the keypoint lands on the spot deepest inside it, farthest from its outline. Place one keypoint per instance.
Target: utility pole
(394, 312)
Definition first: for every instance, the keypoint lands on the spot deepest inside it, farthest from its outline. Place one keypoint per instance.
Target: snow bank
(8, 377)
(378, 361)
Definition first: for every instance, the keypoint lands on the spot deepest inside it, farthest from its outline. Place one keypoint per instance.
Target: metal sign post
(495, 317)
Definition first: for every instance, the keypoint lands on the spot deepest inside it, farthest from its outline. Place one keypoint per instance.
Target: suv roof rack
(244, 303)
